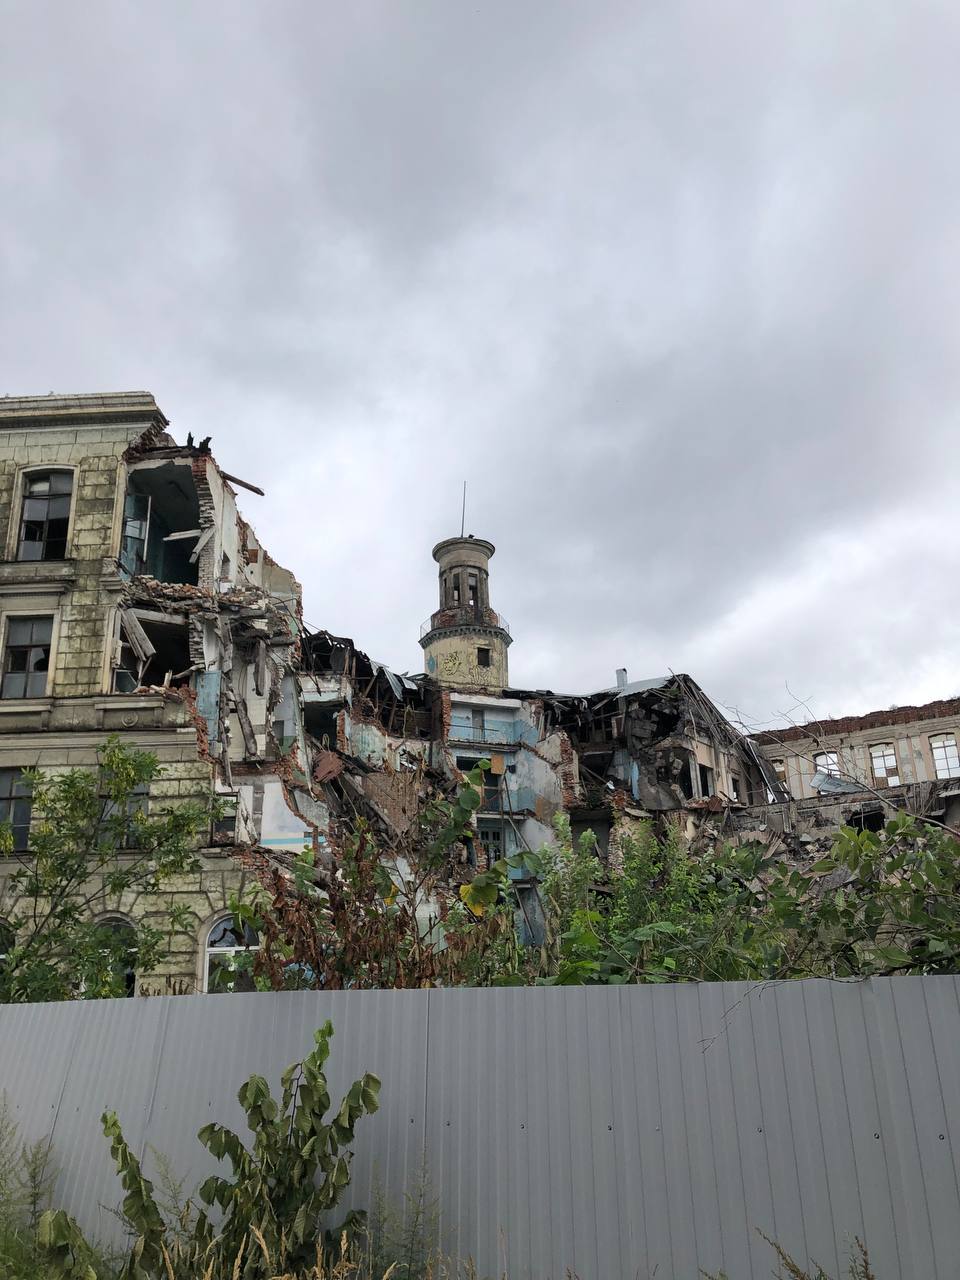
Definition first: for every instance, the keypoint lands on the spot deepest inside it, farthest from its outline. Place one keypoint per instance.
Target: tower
(465, 642)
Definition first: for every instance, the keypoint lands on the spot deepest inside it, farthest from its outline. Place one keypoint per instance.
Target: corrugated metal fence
(619, 1132)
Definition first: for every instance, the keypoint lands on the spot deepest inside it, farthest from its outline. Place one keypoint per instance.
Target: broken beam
(244, 484)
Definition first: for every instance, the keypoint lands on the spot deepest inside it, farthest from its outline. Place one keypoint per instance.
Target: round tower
(465, 642)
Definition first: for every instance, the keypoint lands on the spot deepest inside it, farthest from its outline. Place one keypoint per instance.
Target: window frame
(35, 614)
(16, 509)
(887, 749)
(834, 770)
(936, 740)
(11, 800)
(206, 950)
(488, 664)
(116, 920)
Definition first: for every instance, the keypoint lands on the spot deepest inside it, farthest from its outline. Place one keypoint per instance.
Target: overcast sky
(672, 285)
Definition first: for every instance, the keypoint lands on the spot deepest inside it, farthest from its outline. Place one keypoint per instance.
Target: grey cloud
(671, 285)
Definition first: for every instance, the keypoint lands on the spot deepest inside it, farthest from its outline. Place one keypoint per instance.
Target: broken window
(472, 598)
(165, 636)
(161, 523)
(780, 771)
(883, 762)
(224, 825)
(827, 762)
(946, 761)
(707, 787)
(483, 657)
(15, 804)
(231, 950)
(456, 588)
(737, 787)
(45, 515)
(27, 658)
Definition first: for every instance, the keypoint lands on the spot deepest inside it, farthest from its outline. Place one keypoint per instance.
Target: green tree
(883, 903)
(91, 839)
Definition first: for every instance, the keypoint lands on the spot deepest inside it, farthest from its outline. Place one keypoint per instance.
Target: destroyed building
(859, 771)
(134, 600)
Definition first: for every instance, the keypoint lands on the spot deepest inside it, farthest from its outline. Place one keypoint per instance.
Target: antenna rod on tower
(463, 516)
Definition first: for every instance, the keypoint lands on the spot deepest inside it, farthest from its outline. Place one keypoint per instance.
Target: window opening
(883, 761)
(136, 526)
(7, 940)
(120, 827)
(224, 826)
(828, 762)
(483, 657)
(780, 770)
(15, 806)
(45, 517)
(490, 839)
(476, 723)
(737, 786)
(945, 758)
(472, 598)
(231, 948)
(161, 524)
(119, 952)
(456, 588)
(706, 780)
(27, 658)
(170, 655)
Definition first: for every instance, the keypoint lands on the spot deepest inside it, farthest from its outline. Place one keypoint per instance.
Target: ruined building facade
(135, 600)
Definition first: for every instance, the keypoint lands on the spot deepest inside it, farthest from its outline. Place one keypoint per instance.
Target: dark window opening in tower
(483, 657)
(472, 589)
(456, 588)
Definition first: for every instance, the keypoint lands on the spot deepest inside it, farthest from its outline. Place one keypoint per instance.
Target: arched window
(45, 515)
(230, 953)
(117, 955)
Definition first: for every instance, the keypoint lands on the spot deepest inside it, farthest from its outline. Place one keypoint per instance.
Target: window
(456, 588)
(472, 589)
(136, 524)
(737, 786)
(476, 724)
(827, 762)
(224, 828)
(27, 658)
(15, 807)
(490, 839)
(6, 942)
(118, 954)
(946, 761)
(483, 657)
(883, 762)
(780, 771)
(229, 958)
(45, 516)
(119, 828)
(706, 780)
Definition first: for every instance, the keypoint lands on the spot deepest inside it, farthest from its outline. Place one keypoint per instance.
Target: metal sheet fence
(620, 1132)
